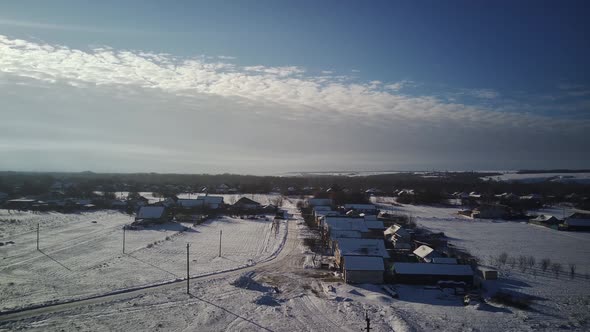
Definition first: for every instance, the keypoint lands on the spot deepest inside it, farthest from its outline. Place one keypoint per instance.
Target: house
(319, 201)
(425, 253)
(222, 189)
(546, 220)
(211, 202)
(320, 216)
(190, 203)
(19, 203)
(491, 211)
(344, 223)
(577, 222)
(151, 214)
(245, 203)
(425, 273)
(399, 237)
(363, 269)
(358, 247)
(361, 208)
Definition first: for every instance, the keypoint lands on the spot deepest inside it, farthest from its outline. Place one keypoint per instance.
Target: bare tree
(545, 263)
(512, 262)
(572, 270)
(531, 261)
(522, 263)
(556, 268)
(503, 258)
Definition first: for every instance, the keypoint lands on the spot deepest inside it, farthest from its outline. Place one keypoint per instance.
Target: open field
(79, 258)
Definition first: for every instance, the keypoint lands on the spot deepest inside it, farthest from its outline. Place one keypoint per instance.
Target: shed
(151, 213)
(363, 269)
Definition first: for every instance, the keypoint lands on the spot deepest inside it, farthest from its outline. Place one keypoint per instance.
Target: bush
(503, 258)
(556, 268)
(514, 300)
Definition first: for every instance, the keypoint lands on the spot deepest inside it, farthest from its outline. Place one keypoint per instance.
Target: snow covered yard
(80, 258)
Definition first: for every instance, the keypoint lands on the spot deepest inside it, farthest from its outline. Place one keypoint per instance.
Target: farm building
(19, 203)
(190, 203)
(245, 203)
(151, 214)
(211, 202)
(491, 211)
(424, 273)
(546, 220)
(578, 222)
(361, 208)
(358, 247)
(363, 269)
(398, 236)
(443, 260)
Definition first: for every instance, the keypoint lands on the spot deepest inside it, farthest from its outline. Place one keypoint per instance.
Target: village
(370, 236)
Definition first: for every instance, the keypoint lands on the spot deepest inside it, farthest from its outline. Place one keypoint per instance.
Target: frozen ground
(79, 258)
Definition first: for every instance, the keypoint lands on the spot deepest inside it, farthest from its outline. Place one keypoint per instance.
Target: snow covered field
(542, 177)
(562, 302)
(79, 257)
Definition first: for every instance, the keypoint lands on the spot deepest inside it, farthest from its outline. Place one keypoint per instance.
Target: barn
(363, 269)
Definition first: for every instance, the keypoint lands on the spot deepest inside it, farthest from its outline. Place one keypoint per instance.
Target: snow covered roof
(342, 223)
(432, 269)
(362, 247)
(444, 260)
(423, 251)
(363, 263)
(545, 218)
(396, 229)
(150, 212)
(360, 206)
(369, 217)
(326, 213)
(322, 208)
(338, 234)
(190, 202)
(374, 224)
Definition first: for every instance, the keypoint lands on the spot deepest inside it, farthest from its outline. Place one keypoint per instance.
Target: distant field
(583, 178)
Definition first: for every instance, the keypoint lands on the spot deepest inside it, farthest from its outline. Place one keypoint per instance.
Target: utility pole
(220, 232)
(188, 277)
(37, 236)
(124, 228)
(368, 320)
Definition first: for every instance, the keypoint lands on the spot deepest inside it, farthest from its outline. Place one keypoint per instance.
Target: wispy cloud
(52, 26)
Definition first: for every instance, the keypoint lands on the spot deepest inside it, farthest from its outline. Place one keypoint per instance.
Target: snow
(283, 295)
(80, 258)
(542, 177)
(363, 263)
(423, 251)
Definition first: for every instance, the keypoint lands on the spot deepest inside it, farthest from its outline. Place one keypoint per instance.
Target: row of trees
(530, 263)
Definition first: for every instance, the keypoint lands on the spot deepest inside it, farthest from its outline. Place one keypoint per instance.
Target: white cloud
(288, 87)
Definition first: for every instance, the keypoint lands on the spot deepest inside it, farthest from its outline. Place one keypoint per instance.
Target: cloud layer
(376, 115)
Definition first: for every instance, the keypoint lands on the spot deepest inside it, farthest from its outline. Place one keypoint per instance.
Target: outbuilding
(363, 269)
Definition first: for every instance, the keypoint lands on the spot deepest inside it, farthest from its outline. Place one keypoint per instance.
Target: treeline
(428, 188)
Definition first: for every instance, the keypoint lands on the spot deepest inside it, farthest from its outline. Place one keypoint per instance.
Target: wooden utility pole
(220, 232)
(37, 236)
(124, 228)
(368, 320)
(188, 277)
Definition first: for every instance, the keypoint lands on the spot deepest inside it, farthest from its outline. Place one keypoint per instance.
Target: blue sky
(498, 68)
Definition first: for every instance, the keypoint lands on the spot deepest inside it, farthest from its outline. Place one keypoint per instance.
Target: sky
(265, 87)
